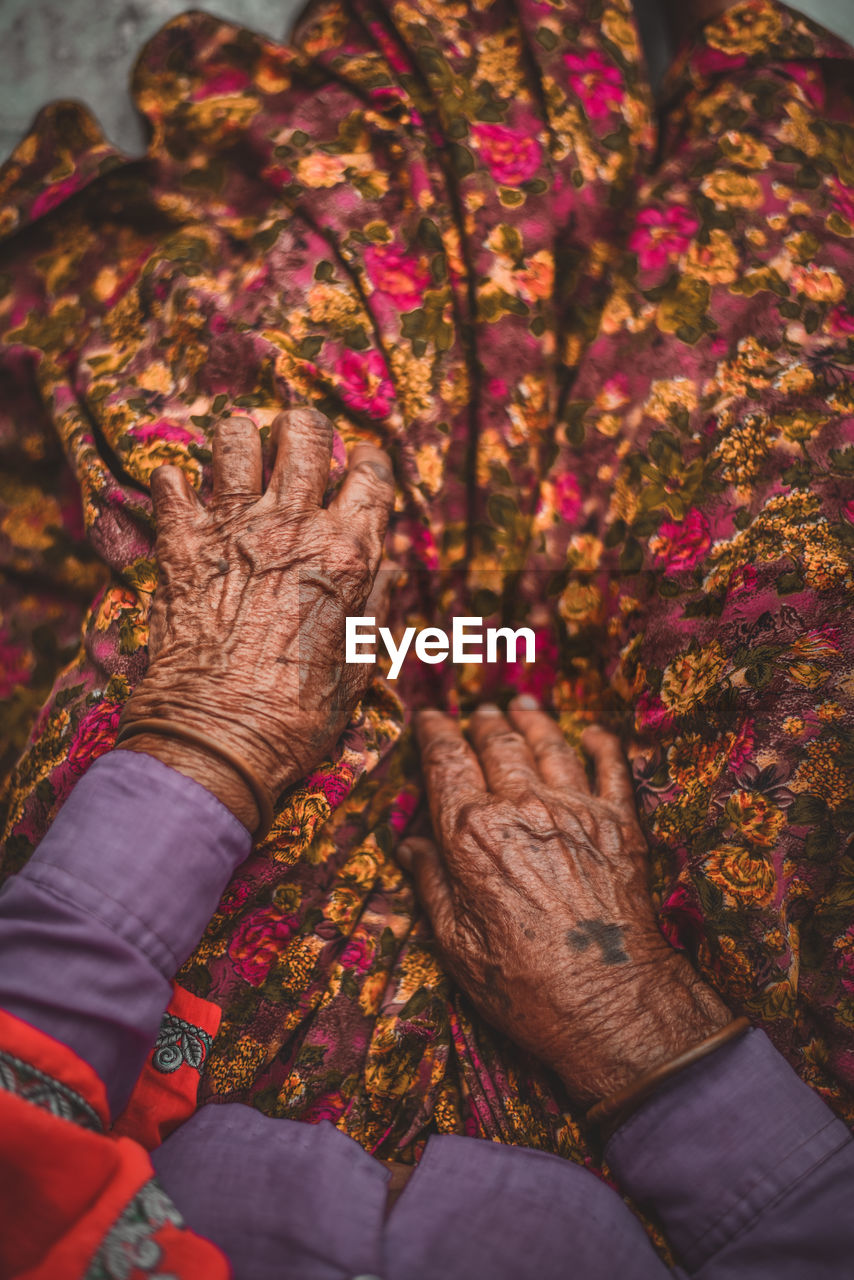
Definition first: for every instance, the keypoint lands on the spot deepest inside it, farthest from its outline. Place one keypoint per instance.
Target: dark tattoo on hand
(607, 937)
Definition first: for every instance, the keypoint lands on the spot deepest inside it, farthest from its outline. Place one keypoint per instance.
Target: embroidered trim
(179, 1042)
(129, 1245)
(27, 1082)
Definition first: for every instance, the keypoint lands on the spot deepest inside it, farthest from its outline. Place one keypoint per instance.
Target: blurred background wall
(84, 49)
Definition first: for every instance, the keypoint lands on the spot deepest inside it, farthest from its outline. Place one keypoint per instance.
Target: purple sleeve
(749, 1172)
(110, 905)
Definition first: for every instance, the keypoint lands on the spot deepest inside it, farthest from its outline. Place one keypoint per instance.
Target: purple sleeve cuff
(727, 1141)
(110, 905)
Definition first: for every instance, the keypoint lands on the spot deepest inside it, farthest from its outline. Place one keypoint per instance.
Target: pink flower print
(843, 199)
(567, 497)
(334, 785)
(54, 195)
(329, 1107)
(358, 955)
(681, 544)
(512, 158)
(743, 578)
(596, 81)
(162, 430)
(742, 747)
(651, 713)
(364, 383)
(398, 275)
(258, 942)
(228, 81)
(661, 234)
(680, 918)
(95, 734)
(538, 679)
(842, 320)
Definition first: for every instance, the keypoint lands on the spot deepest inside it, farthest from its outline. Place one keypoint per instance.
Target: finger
(378, 603)
(452, 774)
(503, 754)
(303, 454)
(613, 778)
(557, 763)
(366, 498)
(423, 861)
(237, 468)
(174, 498)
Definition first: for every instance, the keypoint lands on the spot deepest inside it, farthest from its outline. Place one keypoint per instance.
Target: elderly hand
(539, 901)
(247, 625)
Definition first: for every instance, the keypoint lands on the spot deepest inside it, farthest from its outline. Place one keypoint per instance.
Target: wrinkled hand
(247, 623)
(539, 901)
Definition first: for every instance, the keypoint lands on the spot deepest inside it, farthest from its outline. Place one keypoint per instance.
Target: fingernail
(488, 709)
(527, 702)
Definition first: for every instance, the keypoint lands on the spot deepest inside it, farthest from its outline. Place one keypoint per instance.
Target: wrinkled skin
(537, 892)
(247, 623)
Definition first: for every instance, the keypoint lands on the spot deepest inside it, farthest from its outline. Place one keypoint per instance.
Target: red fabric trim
(63, 1187)
(161, 1101)
(55, 1059)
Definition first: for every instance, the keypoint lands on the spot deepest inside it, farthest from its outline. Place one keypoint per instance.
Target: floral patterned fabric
(612, 362)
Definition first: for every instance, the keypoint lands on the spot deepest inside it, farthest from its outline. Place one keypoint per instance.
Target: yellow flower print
(799, 130)
(831, 711)
(239, 1068)
(809, 674)
(580, 604)
(735, 966)
(333, 304)
(796, 380)
(620, 31)
(429, 462)
(27, 525)
(746, 30)
(744, 448)
(691, 677)
(746, 879)
(371, 991)
(155, 377)
(296, 966)
(716, 262)
(821, 773)
(744, 149)
(819, 284)
(755, 818)
(694, 763)
(800, 426)
(793, 726)
(668, 395)
(728, 188)
(271, 74)
(320, 169)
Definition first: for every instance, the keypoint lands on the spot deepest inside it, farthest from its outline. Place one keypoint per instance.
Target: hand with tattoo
(537, 892)
(248, 621)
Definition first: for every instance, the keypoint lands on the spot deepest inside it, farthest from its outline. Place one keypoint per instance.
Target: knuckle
(504, 740)
(442, 750)
(311, 421)
(468, 818)
(374, 472)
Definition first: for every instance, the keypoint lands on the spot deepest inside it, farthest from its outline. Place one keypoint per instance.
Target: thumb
(174, 498)
(423, 861)
(378, 602)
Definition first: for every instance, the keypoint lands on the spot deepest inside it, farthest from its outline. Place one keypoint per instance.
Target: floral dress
(611, 358)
